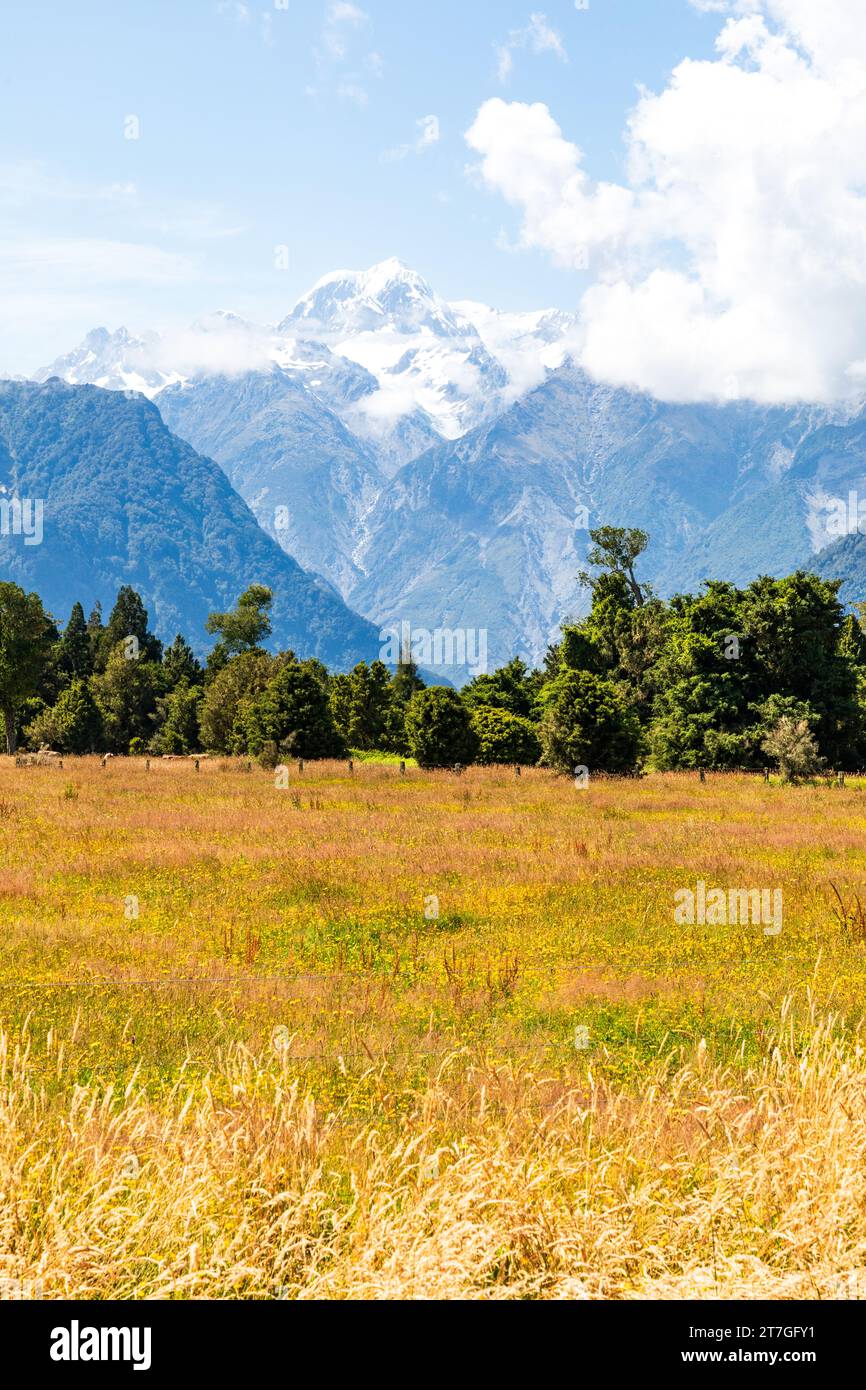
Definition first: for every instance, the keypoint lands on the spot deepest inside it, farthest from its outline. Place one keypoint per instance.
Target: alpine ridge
(442, 463)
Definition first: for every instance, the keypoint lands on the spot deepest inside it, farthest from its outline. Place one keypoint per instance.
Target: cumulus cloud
(731, 260)
(537, 36)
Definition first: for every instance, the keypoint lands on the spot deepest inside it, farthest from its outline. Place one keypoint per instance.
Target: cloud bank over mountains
(731, 262)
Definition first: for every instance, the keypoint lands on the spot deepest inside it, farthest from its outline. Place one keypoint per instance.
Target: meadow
(426, 1036)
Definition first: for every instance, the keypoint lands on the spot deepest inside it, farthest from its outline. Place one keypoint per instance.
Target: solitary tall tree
(247, 624)
(26, 637)
(617, 549)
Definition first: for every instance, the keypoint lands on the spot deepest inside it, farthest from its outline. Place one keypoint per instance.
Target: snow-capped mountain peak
(389, 295)
(116, 361)
(399, 365)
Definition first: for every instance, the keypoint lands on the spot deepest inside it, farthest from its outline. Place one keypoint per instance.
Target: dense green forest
(770, 675)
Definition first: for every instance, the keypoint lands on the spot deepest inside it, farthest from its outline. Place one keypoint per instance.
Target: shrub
(73, 725)
(439, 729)
(792, 747)
(587, 723)
(505, 738)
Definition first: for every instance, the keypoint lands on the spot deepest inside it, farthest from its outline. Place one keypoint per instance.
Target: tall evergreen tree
(180, 717)
(340, 700)
(406, 683)
(75, 656)
(369, 706)
(127, 623)
(513, 688)
(293, 714)
(617, 549)
(95, 629)
(179, 663)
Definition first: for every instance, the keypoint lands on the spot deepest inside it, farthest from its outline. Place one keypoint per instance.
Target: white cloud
(430, 133)
(732, 258)
(219, 346)
(340, 17)
(537, 36)
(335, 53)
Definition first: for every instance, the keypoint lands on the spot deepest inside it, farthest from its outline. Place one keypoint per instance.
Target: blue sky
(263, 127)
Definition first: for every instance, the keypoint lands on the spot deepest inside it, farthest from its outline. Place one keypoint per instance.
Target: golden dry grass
(280, 1080)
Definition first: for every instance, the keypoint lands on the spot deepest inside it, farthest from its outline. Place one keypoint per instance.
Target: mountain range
(123, 501)
(442, 464)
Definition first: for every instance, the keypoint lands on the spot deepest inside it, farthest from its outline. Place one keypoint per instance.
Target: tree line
(729, 678)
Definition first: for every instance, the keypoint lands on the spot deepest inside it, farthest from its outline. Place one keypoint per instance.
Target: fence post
(300, 765)
(402, 769)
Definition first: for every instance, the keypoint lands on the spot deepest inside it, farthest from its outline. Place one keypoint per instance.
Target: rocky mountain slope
(124, 501)
(442, 464)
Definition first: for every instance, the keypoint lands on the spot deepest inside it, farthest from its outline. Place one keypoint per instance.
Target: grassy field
(242, 1056)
